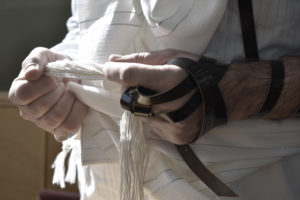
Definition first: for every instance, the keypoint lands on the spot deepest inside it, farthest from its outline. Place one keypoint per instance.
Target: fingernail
(60, 138)
(115, 56)
(31, 67)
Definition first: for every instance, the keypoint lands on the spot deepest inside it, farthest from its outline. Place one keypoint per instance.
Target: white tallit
(237, 153)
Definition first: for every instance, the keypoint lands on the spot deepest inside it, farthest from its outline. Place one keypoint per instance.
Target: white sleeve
(69, 45)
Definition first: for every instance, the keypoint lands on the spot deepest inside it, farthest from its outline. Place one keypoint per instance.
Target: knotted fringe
(74, 165)
(134, 157)
(133, 146)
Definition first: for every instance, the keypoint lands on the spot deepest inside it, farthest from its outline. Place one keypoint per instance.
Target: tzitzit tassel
(133, 147)
(134, 157)
(72, 69)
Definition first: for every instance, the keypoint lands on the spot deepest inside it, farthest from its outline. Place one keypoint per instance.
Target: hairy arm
(245, 87)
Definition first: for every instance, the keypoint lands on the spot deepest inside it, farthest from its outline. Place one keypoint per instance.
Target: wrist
(244, 88)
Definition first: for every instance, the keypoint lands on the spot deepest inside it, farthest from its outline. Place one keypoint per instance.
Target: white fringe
(70, 69)
(72, 146)
(134, 157)
(133, 146)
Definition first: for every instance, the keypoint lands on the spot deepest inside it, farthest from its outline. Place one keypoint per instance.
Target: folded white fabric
(231, 152)
(132, 147)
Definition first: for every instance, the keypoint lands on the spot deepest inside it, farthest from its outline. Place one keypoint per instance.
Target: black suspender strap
(248, 29)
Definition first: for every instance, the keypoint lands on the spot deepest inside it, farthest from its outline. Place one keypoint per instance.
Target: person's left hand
(151, 71)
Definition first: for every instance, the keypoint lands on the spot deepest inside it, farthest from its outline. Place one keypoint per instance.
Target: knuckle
(70, 127)
(60, 136)
(170, 53)
(23, 115)
(180, 136)
(33, 59)
(43, 104)
(49, 123)
(22, 94)
(127, 74)
(40, 50)
(26, 113)
(139, 57)
(35, 56)
(53, 118)
(56, 113)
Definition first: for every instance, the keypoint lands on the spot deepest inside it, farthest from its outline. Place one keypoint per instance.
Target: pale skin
(151, 71)
(244, 88)
(46, 102)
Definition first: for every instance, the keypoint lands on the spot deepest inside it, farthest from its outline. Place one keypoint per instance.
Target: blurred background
(26, 152)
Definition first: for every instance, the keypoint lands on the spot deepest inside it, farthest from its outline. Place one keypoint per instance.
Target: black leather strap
(207, 75)
(203, 173)
(129, 102)
(151, 98)
(248, 29)
(182, 113)
(276, 85)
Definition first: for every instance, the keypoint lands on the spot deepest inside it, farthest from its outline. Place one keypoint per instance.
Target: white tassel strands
(133, 148)
(70, 69)
(134, 157)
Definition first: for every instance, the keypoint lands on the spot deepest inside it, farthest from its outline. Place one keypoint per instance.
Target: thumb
(142, 58)
(154, 77)
(160, 57)
(33, 71)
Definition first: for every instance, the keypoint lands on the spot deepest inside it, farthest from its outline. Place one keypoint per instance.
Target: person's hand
(45, 100)
(151, 71)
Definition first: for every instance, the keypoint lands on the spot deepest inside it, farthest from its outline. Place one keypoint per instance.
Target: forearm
(245, 88)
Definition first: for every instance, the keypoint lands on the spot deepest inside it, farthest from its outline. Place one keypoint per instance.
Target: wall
(26, 24)
(26, 155)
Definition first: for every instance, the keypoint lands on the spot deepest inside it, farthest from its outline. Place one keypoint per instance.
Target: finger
(174, 104)
(23, 92)
(60, 138)
(152, 58)
(42, 105)
(34, 63)
(74, 120)
(155, 77)
(181, 132)
(135, 58)
(59, 112)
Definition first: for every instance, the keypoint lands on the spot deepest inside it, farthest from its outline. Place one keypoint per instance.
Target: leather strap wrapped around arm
(207, 75)
(139, 101)
(276, 85)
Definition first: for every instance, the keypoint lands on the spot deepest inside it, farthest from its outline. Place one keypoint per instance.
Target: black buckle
(129, 101)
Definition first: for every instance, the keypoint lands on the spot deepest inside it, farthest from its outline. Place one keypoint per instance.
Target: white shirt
(247, 155)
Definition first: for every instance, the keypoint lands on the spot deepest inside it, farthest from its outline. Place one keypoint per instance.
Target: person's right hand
(45, 100)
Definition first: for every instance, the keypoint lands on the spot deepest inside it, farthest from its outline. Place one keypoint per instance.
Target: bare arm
(245, 87)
